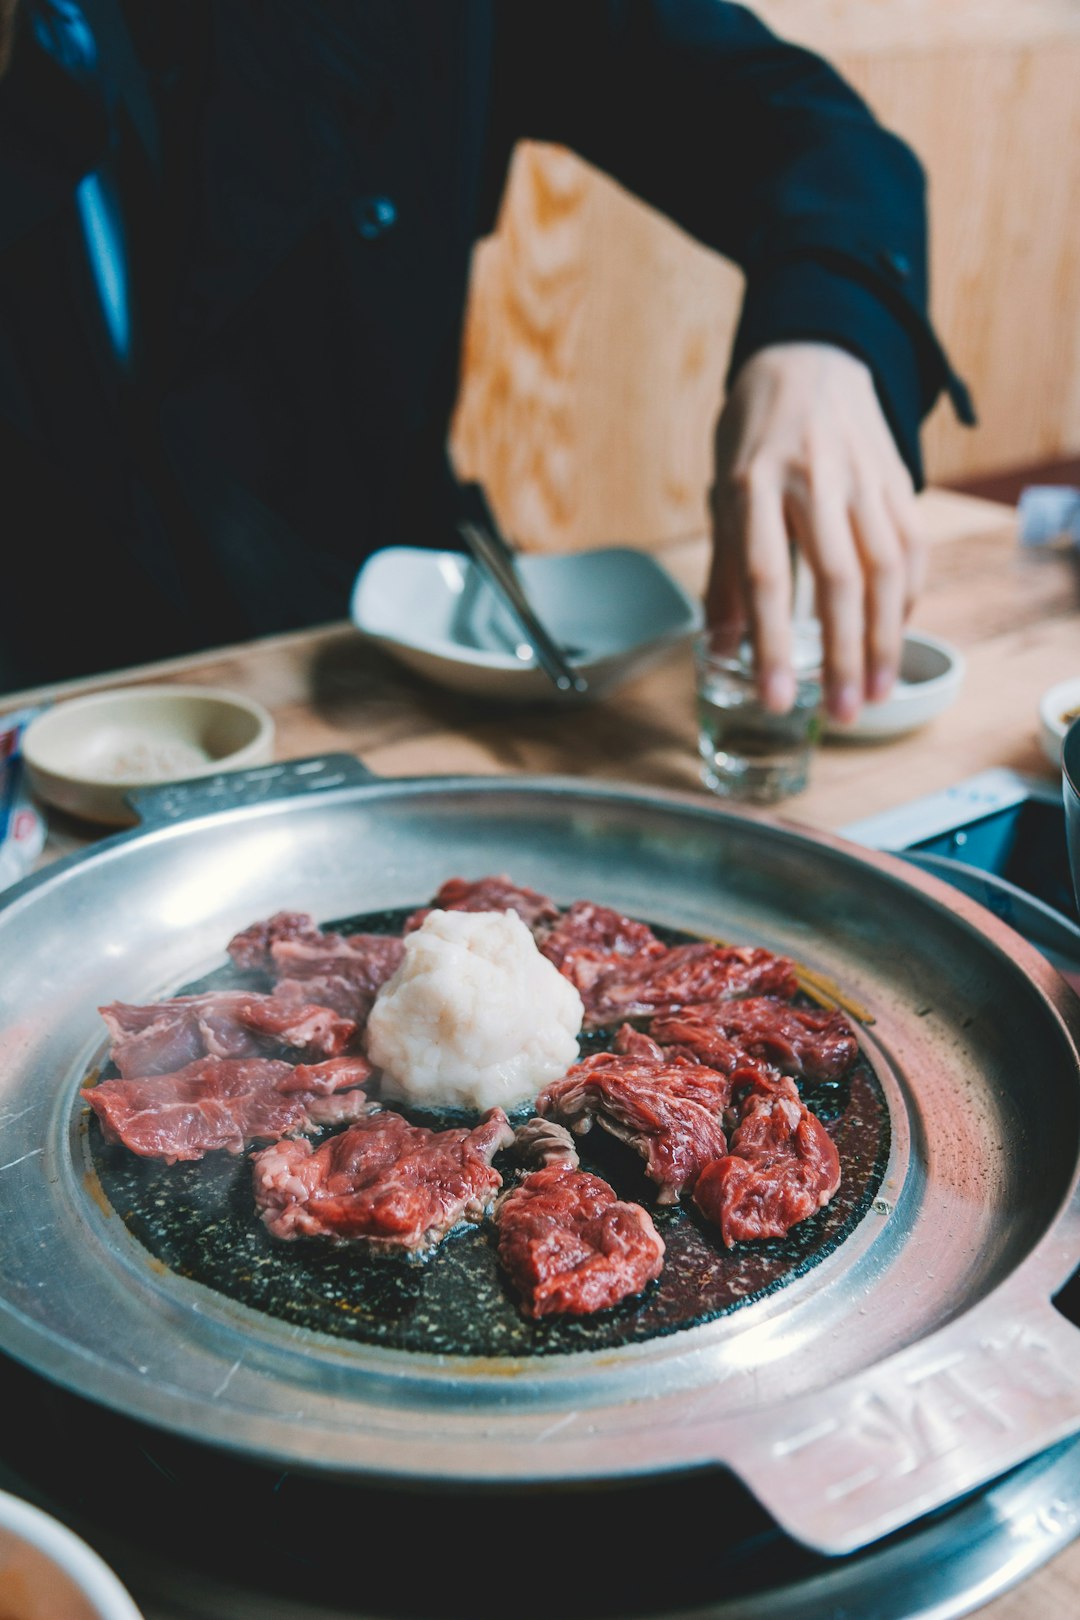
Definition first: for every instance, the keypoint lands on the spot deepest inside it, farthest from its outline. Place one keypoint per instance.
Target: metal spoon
(496, 558)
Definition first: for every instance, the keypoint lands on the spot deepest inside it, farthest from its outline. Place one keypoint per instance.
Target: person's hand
(805, 462)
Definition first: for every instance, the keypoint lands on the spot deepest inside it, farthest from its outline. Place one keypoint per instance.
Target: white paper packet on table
(22, 824)
(1049, 512)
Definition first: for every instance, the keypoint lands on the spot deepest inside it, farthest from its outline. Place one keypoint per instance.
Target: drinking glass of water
(746, 752)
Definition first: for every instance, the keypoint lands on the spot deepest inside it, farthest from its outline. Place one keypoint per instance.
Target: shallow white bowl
(49, 1573)
(615, 609)
(86, 754)
(1058, 707)
(931, 674)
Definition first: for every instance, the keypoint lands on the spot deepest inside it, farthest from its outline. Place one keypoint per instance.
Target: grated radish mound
(474, 1017)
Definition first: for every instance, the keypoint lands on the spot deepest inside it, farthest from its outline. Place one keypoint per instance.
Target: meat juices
(397, 1186)
(225, 1104)
(568, 1243)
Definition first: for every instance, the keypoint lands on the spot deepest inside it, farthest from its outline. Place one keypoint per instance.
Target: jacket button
(373, 216)
(898, 264)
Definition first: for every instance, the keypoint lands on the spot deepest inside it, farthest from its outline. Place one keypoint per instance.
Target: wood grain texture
(594, 355)
(882, 27)
(597, 333)
(999, 133)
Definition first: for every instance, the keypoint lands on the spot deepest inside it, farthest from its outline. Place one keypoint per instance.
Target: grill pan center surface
(198, 1219)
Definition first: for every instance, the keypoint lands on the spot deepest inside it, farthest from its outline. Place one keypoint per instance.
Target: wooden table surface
(1014, 613)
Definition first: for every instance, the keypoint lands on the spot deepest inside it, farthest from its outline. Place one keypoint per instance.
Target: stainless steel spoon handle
(496, 558)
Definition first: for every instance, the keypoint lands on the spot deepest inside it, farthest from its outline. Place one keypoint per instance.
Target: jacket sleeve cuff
(805, 300)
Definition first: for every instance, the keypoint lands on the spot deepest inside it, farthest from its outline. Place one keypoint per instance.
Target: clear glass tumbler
(747, 752)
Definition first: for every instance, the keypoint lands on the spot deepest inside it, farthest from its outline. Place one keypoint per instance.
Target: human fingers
(822, 528)
(886, 590)
(766, 575)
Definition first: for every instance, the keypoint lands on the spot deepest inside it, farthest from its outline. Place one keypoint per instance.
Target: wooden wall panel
(594, 359)
(999, 131)
(598, 333)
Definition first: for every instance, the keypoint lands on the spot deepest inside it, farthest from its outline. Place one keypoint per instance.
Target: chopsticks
(494, 555)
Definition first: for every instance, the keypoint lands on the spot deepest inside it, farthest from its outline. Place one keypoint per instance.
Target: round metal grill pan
(918, 1359)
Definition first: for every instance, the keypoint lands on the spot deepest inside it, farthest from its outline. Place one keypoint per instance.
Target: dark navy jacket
(303, 183)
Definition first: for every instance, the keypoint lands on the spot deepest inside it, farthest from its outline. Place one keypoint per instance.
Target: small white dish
(931, 674)
(85, 754)
(614, 610)
(47, 1572)
(1058, 707)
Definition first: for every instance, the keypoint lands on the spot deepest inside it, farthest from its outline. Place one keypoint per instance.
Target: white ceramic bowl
(49, 1573)
(86, 754)
(1058, 707)
(931, 674)
(615, 609)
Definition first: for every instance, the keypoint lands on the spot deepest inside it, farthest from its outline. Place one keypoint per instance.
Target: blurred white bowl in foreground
(48, 1573)
(613, 610)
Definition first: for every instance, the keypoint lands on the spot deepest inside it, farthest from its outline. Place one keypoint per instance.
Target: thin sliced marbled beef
(341, 971)
(747, 1077)
(668, 1112)
(590, 940)
(489, 894)
(808, 1042)
(633, 1042)
(252, 946)
(395, 1185)
(166, 1035)
(571, 1246)
(683, 975)
(346, 971)
(782, 1167)
(331, 990)
(226, 1103)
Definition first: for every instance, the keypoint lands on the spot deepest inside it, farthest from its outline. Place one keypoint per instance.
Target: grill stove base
(196, 1534)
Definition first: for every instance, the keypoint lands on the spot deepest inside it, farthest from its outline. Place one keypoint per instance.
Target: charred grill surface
(199, 1220)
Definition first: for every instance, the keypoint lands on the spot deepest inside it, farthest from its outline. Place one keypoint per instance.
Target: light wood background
(598, 333)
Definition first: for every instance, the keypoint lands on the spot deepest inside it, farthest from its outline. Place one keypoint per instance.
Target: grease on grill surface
(199, 1221)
